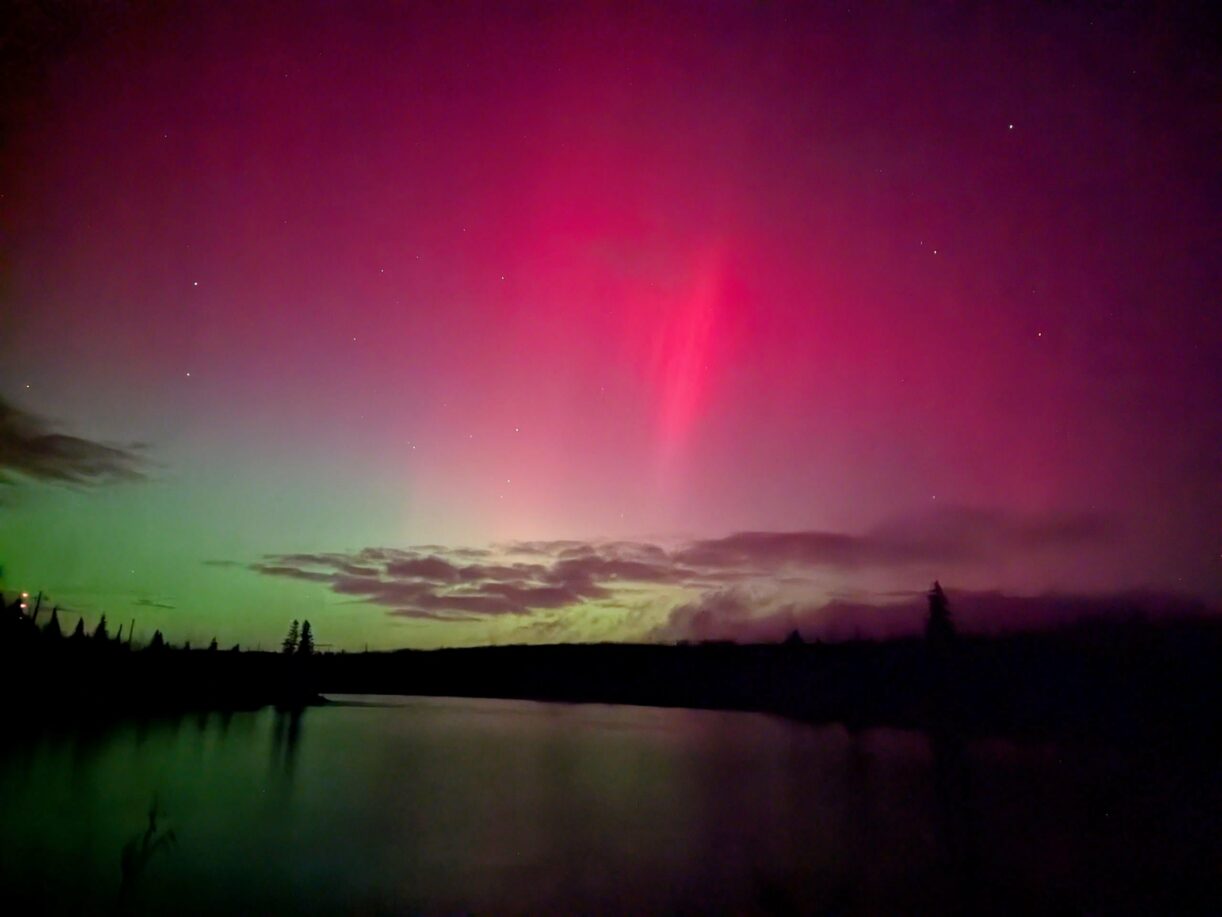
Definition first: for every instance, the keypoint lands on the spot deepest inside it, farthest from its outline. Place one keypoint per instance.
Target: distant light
(1011, 127)
(25, 595)
(195, 283)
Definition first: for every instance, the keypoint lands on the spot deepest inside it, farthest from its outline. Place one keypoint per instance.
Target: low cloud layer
(741, 616)
(30, 448)
(744, 586)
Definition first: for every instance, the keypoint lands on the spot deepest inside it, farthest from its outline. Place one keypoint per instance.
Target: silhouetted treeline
(1126, 680)
(46, 675)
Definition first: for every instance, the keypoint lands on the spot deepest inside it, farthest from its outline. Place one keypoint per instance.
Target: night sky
(449, 324)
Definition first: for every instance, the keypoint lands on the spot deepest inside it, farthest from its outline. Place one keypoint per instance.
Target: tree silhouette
(290, 640)
(212, 647)
(186, 645)
(52, 630)
(78, 632)
(99, 632)
(306, 646)
(939, 629)
(158, 641)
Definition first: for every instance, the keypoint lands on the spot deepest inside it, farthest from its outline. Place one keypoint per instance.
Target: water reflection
(449, 806)
(958, 841)
(286, 734)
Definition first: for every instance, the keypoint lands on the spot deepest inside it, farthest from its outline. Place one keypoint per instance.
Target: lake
(446, 806)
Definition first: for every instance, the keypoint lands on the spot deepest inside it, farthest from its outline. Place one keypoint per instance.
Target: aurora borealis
(456, 323)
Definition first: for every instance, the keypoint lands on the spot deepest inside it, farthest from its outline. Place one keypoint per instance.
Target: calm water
(455, 806)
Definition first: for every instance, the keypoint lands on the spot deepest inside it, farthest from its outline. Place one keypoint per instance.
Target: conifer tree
(939, 630)
(99, 632)
(306, 645)
(52, 630)
(78, 632)
(158, 641)
(290, 640)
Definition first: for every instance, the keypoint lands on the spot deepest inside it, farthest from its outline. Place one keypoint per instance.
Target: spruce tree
(52, 630)
(939, 630)
(99, 632)
(290, 640)
(306, 646)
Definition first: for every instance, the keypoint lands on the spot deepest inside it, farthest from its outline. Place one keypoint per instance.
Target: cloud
(292, 572)
(29, 448)
(953, 535)
(743, 585)
(149, 603)
(738, 615)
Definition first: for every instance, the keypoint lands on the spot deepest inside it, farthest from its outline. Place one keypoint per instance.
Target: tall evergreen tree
(939, 629)
(212, 647)
(78, 632)
(99, 632)
(290, 640)
(306, 646)
(52, 630)
(158, 641)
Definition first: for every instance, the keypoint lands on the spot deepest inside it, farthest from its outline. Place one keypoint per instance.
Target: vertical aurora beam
(685, 358)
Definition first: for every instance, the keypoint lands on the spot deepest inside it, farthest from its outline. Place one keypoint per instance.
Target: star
(195, 283)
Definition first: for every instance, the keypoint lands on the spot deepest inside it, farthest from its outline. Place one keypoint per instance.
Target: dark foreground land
(1130, 682)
